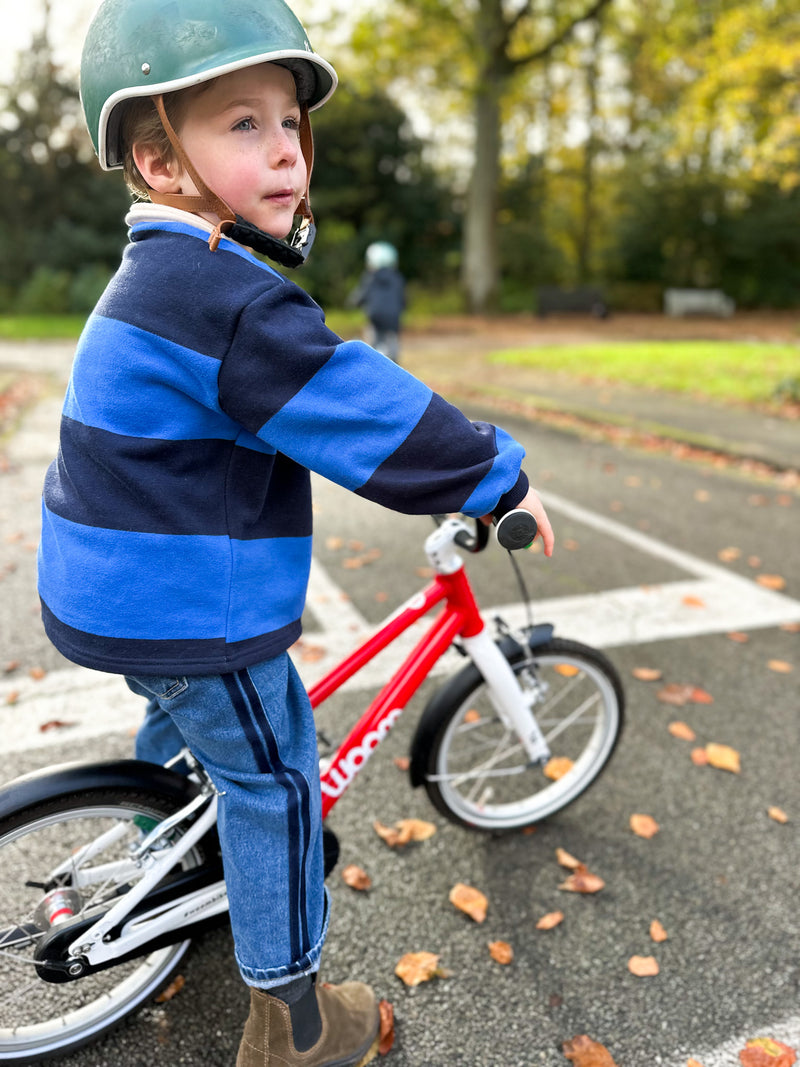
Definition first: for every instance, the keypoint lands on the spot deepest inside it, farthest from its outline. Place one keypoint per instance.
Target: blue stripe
(140, 228)
(502, 476)
(347, 419)
(122, 365)
(115, 583)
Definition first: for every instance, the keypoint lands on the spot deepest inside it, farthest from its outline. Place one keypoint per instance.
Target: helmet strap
(289, 254)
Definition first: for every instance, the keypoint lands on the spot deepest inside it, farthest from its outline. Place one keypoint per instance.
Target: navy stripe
(444, 452)
(125, 655)
(257, 729)
(182, 272)
(176, 487)
(299, 806)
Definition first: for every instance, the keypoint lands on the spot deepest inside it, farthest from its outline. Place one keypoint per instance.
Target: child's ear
(163, 175)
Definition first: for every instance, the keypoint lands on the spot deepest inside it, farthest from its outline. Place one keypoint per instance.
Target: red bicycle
(108, 870)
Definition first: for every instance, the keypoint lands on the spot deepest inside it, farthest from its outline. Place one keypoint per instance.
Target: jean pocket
(162, 688)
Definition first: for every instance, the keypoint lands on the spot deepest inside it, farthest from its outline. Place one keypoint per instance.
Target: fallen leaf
(12, 665)
(700, 696)
(643, 966)
(472, 715)
(417, 967)
(790, 627)
(693, 1063)
(37, 673)
(557, 767)
(583, 881)
(657, 931)
(738, 637)
(172, 990)
(678, 695)
(312, 653)
(723, 757)
(356, 878)
(702, 495)
(757, 500)
(355, 546)
(766, 1052)
(567, 670)
(584, 1052)
(566, 860)
(404, 831)
(754, 561)
(54, 724)
(469, 900)
(352, 563)
(699, 757)
(778, 814)
(771, 581)
(501, 952)
(381, 597)
(780, 666)
(424, 572)
(728, 555)
(334, 543)
(682, 731)
(552, 919)
(644, 825)
(570, 545)
(386, 1034)
(402, 762)
(646, 674)
(693, 601)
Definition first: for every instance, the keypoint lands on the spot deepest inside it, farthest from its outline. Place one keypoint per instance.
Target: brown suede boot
(349, 1036)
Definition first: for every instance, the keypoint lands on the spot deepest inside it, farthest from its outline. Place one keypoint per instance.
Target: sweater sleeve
(345, 411)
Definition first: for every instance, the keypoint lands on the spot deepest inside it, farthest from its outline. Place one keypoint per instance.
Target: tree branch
(560, 37)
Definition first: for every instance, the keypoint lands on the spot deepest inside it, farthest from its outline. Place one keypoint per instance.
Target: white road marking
(714, 600)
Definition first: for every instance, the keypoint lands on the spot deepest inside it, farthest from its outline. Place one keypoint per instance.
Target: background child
(176, 535)
(381, 292)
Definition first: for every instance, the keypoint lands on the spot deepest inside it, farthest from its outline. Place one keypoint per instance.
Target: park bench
(583, 299)
(678, 302)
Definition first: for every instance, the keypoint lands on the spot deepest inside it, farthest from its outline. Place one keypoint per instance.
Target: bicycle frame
(460, 618)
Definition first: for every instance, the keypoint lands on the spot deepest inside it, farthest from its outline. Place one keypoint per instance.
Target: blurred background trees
(500, 144)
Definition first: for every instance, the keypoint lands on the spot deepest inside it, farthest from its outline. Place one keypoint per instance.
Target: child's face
(241, 132)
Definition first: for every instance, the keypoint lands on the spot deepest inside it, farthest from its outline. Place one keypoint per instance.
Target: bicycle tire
(477, 773)
(39, 1019)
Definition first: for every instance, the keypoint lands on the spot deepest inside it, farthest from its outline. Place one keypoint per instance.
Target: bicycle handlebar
(516, 529)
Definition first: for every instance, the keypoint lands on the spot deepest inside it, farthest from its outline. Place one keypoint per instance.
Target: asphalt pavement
(720, 875)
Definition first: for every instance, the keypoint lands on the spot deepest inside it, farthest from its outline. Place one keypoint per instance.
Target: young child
(176, 539)
(381, 292)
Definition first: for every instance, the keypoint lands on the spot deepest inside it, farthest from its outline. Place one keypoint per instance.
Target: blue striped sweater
(176, 533)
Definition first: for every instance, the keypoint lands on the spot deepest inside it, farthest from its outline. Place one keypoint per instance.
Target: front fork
(507, 697)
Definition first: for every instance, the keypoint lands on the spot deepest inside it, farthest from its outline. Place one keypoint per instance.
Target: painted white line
(713, 601)
(727, 1055)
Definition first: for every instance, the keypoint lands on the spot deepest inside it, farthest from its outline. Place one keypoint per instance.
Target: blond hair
(140, 126)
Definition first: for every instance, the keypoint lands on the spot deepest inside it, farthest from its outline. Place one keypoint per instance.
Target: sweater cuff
(509, 500)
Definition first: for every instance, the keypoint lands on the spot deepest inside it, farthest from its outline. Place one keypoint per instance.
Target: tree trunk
(480, 265)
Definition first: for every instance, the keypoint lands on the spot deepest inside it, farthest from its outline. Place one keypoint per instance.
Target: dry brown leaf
(699, 757)
(583, 881)
(646, 674)
(728, 555)
(657, 931)
(778, 814)
(682, 731)
(643, 966)
(312, 653)
(55, 724)
(566, 670)
(381, 597)
(386, 1033)
(771, 581)
(644, 825)
(472, 716)
(754, 561)
(417, 967)
(700, 696)
(702, 495)
(352, 563)
(415, 830)
(12, 697)
(693, 601)
(37, 673)
(501, 952)
(790, 627)
(12, 665)
(723, 757)
(678, 695)
(693, 1063)
(557, 767)
(739, 637)
(355, 546)
(356, 877)
(469, 900)
(549, 921)
(767, 1052)
(334, 543)
(566, 860)
(172, 990)
(402, 762)
(780, 666)
(570, 545)
(584, 1052)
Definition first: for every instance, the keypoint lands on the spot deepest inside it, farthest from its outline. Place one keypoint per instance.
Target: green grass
(40, 327)
(722, 370)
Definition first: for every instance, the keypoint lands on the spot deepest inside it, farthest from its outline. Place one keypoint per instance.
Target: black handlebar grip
(516, 529)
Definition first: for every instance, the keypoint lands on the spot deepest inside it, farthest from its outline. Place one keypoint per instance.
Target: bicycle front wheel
(72, 855)
(478, 773)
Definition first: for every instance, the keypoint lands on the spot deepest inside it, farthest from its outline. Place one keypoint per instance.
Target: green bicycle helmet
(145, 48)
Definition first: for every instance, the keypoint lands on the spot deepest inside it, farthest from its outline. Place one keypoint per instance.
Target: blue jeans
(253, 731)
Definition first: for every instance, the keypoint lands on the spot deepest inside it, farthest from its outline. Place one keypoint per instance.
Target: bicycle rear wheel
(41, 857)
(478, 773)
